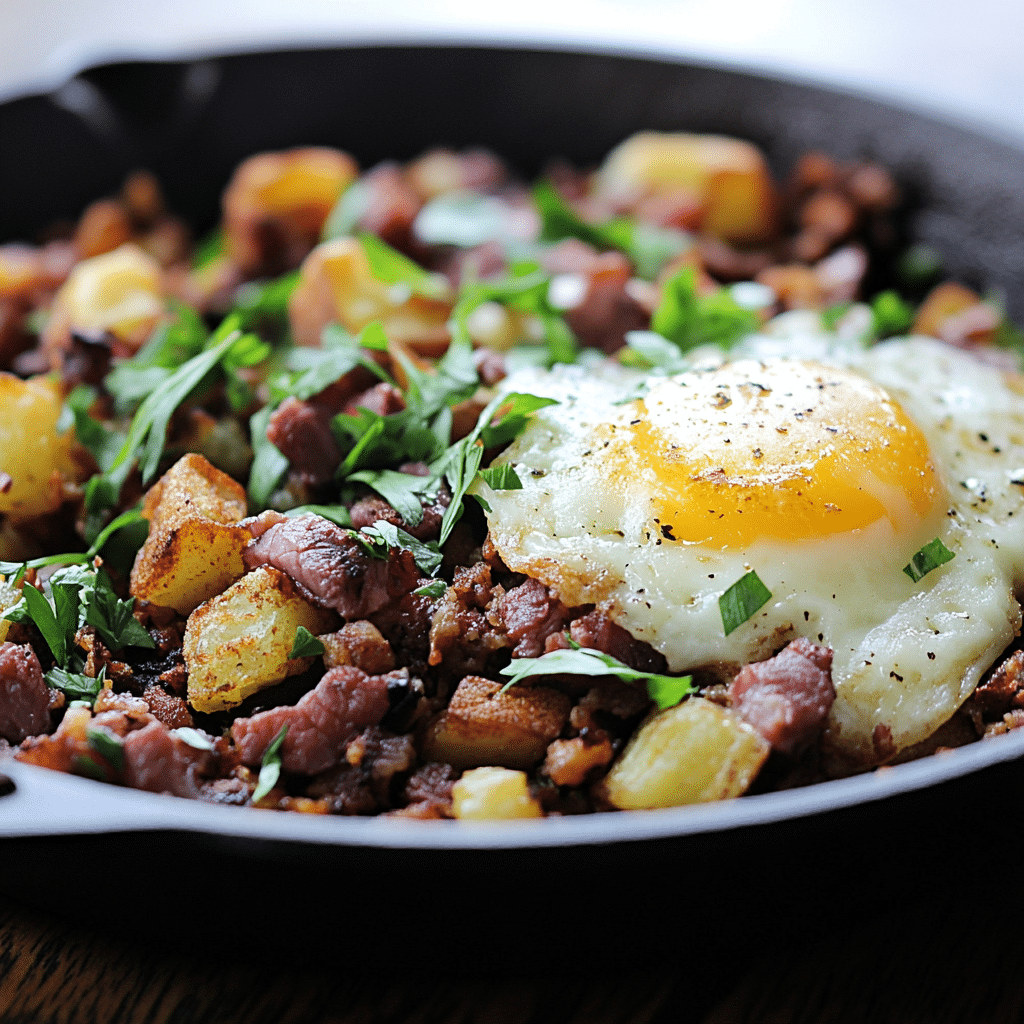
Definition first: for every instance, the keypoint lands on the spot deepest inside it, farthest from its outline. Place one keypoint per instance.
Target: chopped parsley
(691, 320)
(665, 691)
(742, 600)
(931, 556)
(306, 645)
(270, 767)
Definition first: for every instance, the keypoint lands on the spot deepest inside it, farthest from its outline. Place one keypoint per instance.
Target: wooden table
(961, 964)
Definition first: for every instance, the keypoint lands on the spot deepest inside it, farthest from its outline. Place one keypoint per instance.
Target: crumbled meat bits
(383, 500)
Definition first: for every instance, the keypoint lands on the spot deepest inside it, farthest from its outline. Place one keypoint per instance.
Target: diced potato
(10, 595)
(36, 458)
(295, 189)
(693, 753)
(238, 642)
(957, 315)
(336, 285)
(483, 727)
(489, 794)
(119, 291)
(729, 177)
(194, 547)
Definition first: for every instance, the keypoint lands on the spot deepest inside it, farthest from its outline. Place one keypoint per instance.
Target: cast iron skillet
(888, 840)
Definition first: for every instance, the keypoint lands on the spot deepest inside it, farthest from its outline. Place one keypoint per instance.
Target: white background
(962, 59)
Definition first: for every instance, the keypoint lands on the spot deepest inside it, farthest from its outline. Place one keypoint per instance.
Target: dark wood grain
(957, 964)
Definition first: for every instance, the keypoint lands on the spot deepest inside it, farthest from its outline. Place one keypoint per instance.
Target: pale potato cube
(238, 642)
(10, 595)
(336, 286)
(295, 190)
(484, 727)
(490, 794)
(120, 292)
(693, 753)
(36, 458)
(194, 547)
(729, 178)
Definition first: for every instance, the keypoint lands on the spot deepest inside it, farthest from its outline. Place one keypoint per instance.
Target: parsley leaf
(148, 432)
(691, 320)
(501, 478)
(427, 556)
(108, 745)
(435, 589)
(269, 463)
(665, 691)
(338, 514)
(741, 600)
(306, 645)
(259, 301)
(76, 686)
(270, 767)
(391, 267)
(348, 211)
(402, 491)
(930, 557)
(891, 314)
(648, 246)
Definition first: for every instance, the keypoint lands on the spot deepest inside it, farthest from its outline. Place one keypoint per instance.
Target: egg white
(906, 654)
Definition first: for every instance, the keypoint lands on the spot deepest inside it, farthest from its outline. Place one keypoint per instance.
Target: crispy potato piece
(10, 595)
(729, 178)
(194, 548)
(238, 642)
(481, 727)
(36, 458)
(293, 191)
(693, 753)
(120, 292)
(337, 286)
(491, 794)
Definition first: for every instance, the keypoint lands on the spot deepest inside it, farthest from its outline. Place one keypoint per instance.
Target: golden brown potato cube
(484, 727)
(194, 548)
(120, 292)
(292, 192)
(729, 177)
(238, 642)
(693, 753)
(35, 457)
(360, 644)
(336, 286)
(493, 794)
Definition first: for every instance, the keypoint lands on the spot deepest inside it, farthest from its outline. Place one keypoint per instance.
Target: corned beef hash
(418, 491)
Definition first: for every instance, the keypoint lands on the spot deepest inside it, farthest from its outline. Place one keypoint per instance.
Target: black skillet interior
(192, 122)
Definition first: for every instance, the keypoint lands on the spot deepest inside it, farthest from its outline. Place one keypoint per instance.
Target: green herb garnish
(435, 588)
(665, 691)
(306, 645)
(741, 600)
(691, 320)
(107, 745)
(270, 767)
(931, 556)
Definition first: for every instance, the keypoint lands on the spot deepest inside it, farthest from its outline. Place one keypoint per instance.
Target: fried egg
(824, 473)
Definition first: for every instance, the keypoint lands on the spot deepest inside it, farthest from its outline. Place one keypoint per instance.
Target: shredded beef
(786, 698)
(596, 631)
(321, 724)
(431, 786)
(172, 711)
(607, 311)
(361, 784)
(157, 760)
(24, 696)
(332, 567)
(465, 631)
(531, 614)
(383, 399)
(360, 644)
(1003, 689)
(302, 432)
(405, 624)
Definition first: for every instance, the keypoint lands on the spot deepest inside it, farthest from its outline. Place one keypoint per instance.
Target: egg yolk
(786, 450)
